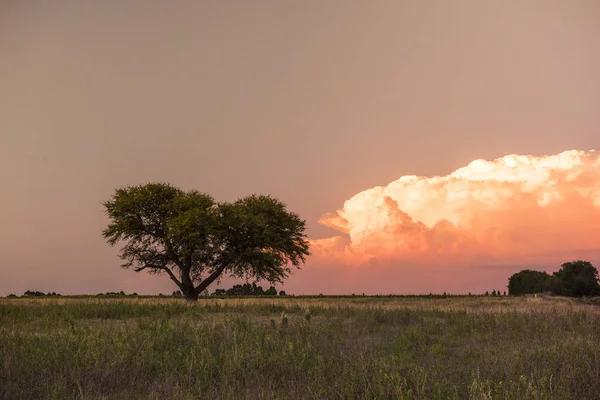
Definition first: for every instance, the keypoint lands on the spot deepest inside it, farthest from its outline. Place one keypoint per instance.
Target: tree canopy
(528, 282)
(573, 279)
(576, 279)
(194, 239)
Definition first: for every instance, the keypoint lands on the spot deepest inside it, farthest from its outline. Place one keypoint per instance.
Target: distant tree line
(36, 293)
(573, 279)
(246, 289)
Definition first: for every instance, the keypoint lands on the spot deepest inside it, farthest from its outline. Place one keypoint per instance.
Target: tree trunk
(210, 279)
(190, 293)
(187, 286)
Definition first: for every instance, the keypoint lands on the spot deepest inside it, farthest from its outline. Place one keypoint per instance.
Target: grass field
(341, 348)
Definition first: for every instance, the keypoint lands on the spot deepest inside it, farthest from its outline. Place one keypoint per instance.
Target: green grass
(387, 347)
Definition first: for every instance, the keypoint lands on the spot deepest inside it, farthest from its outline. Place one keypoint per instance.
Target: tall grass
(478, 348)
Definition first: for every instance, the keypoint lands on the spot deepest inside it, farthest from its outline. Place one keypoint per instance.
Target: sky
(316, 103)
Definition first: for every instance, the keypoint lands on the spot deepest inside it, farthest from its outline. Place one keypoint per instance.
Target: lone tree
(528, 281)
(193, 239)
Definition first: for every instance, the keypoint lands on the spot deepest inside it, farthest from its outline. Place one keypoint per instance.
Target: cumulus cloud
(513, 210)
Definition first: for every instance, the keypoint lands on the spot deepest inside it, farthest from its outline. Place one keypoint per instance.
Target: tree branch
(163, 268)
(170, 252)
(210, 279)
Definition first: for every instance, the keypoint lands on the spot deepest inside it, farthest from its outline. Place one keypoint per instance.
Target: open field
(353, 347)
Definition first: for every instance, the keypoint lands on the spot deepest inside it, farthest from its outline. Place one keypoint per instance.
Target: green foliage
(193, 239)
(573, 279)
(528, 282)
(271, 291)
(33, 293)
(36, 293)
(261, 238)
(246, 289)
(576, 279)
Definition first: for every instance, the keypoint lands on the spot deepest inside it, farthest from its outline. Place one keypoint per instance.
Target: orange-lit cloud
(513, 210)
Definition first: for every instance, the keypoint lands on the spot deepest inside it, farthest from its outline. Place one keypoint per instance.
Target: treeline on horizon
(32, 294)
(241, 291)
(573, 279)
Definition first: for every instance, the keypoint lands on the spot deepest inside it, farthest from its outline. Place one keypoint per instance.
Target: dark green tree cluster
(573, 279)
(36, 293)
(116, 294)
(576, 279)
(246, 289)
(528, 281)
(193, 239)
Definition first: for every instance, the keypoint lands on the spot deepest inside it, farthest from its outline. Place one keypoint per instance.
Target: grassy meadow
(300, 348)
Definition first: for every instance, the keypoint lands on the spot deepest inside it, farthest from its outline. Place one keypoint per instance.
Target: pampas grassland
(300, 348)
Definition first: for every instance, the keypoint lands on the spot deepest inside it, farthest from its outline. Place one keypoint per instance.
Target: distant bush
(246, 289)
(271, 291)
(33, 293)
(111, 294)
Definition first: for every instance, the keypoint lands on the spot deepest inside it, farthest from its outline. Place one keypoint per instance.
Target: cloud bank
(491, 216)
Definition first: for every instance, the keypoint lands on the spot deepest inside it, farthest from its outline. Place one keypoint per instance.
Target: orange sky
(310, 101)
